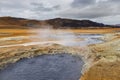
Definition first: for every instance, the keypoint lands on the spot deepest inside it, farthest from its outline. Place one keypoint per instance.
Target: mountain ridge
(8, 21)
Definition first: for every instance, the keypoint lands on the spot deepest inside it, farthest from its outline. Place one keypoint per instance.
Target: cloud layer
(106, 11)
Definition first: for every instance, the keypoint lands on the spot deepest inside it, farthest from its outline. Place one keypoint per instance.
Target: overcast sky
(105, 11)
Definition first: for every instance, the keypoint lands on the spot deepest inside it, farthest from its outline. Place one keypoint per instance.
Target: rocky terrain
(12, 22)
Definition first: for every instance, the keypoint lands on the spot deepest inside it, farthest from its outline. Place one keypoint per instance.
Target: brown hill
(12, 22)
(17, 22)
(70, 23)
(118, 25)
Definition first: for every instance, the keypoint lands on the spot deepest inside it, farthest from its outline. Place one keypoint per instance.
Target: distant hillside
(17, 22)
(118, 25)
(70, 23)
(12, 22)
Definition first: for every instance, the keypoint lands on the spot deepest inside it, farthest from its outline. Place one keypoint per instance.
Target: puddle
(45, 67)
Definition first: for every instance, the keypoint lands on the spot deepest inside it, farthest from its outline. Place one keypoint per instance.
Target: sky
(103, 11)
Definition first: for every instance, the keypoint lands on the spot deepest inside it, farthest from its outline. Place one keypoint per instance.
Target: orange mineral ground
(102, 60)
(106, 59)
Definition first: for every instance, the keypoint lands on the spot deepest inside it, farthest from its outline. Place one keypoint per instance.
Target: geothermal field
(59, 39)
(60, 54)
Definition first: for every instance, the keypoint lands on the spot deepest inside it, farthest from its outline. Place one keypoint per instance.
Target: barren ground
(102, 61)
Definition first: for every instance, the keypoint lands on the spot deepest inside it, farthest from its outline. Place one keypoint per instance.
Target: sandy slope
(106, 60)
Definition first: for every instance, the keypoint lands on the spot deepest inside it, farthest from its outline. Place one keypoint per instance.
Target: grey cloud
(12, 5)
(56, 7)
(101, 9)
(41, 7)
(114, 0)
(78, 3)
(45, 9)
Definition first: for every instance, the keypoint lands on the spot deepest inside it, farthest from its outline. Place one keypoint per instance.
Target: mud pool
(45, 67)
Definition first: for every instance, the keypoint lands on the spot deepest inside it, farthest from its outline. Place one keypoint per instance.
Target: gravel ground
(45, 67)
